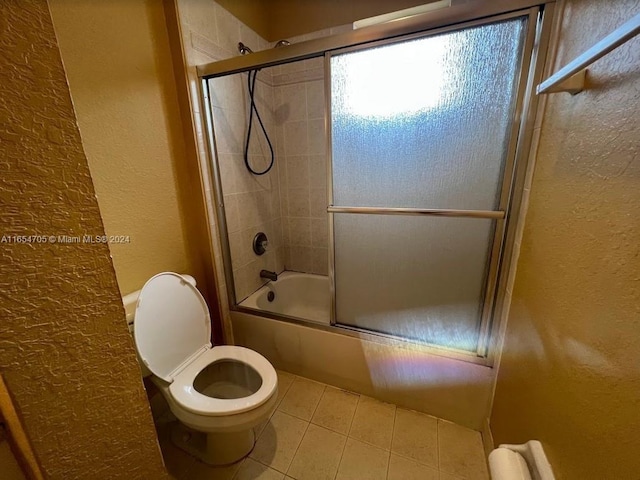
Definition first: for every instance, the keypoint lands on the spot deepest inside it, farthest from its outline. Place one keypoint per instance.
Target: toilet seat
(190, 399)
(172, 332)
(172, 324)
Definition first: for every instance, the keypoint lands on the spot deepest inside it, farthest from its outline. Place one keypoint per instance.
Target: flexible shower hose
(251, 85)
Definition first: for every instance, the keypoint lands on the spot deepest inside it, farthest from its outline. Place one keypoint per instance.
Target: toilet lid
(171, 323)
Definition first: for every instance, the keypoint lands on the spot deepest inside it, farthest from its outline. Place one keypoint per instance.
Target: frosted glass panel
(425, 123)
(413, 277)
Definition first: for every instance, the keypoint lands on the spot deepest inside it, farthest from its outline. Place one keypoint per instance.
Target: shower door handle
(433, 212)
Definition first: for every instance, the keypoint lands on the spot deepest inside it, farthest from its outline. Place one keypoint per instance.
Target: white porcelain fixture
(301, 295)
(219, 393)
(520, 462)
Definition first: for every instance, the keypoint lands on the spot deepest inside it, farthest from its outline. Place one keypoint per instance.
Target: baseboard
(487, 437)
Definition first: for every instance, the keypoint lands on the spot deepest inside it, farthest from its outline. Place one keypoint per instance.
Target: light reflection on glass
(374, 88)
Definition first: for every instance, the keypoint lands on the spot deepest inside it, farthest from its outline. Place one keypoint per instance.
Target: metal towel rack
(571, 78)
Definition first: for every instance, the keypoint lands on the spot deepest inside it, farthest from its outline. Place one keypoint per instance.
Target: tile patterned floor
(319, 432)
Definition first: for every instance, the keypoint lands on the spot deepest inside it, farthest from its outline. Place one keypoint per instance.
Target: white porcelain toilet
(218, 393)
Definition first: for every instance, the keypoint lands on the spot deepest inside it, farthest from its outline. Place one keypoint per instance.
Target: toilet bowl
(218, 393)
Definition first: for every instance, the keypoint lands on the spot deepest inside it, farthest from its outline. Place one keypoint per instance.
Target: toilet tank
(129, 302)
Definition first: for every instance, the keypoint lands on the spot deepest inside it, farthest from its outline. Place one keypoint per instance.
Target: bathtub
(300, 295)
(399, 373)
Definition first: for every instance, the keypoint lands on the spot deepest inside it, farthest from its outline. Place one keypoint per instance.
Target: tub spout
(273, 276)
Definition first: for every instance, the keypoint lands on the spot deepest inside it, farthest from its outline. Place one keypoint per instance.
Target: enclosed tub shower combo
(366, 190)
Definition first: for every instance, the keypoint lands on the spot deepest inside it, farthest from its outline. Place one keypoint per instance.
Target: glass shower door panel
(412, 277)
(425, 123)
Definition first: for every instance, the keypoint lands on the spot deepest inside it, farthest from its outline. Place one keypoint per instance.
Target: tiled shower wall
(209, 34)
(288, 203)
(299, 97)
(252, 202)
(300, 123)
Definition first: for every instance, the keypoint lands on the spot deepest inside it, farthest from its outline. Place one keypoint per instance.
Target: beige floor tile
(279, 441)
(415, 435)
(258, 429)
(335, 410)
(446, 476)
(362, 461)
(178, 463)
(373, 422)
(461, 452)
(302, 398)
(401, 468)
(318, 455)
(252, 470)
(285, 379)
(202, 471)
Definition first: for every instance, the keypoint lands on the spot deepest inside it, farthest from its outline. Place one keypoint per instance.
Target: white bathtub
(410, 377)
(300, 295)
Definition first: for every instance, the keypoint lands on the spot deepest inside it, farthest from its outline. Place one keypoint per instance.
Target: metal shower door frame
(501, 216)
(437, 21)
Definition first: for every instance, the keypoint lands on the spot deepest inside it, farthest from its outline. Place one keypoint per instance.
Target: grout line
(306, 429)
(354, 416)
(393, 434)
(275, 409)
(242, 462)
(419, 462)
(348, 436)
(438, 444)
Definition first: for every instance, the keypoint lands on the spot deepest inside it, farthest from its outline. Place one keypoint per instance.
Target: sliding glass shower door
(423, 133)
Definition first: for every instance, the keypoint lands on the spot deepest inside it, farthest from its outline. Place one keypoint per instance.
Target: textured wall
(570, 371)
(64, 347)
(117, 59)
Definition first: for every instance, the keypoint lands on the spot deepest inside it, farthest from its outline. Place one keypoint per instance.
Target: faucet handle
(260, 243)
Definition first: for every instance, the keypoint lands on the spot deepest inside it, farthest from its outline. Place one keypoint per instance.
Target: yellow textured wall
(570, 371)
(65, 351)
(118, 63)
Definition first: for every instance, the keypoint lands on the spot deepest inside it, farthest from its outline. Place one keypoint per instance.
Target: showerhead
(243, 49)
(282, 43)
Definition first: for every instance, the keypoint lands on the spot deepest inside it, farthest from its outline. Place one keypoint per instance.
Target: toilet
(218, 393)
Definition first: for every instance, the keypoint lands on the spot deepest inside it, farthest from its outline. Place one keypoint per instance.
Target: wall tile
(232, 214)
(201, 17)
(295, 138)
(228, 30)
(320, 261)
(316, 138)
(315, 99)
(319, 232)
(229, 128)
(298, 171)
(294, 102)
(318, 171)
(239, 257)
(229, 93)
(298, 201)
(318, 202)
(227, 174)
(292, 67)
(299, 259)
(300, 232)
